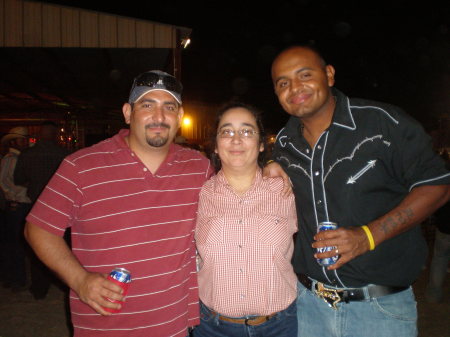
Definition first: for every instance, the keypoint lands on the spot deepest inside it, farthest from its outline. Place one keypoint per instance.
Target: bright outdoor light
(187, 121)
(185, 42)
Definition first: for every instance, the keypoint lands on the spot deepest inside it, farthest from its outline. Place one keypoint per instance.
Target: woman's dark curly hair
(213, 137)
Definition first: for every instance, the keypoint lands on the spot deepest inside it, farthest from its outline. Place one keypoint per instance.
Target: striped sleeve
(58, 204)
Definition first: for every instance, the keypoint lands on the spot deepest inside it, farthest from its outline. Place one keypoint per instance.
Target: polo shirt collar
(121, 142)
(171, 155)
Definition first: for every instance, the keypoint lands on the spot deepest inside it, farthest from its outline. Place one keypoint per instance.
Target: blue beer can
(325, 226)
(121, 275)
(122, 278)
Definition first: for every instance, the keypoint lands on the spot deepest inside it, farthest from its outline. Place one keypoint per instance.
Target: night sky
(392, 51)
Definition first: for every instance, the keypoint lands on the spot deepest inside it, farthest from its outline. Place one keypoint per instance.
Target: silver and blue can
(325, 226)
(121, 277)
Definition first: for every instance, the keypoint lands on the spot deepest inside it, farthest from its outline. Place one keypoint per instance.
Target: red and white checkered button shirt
(245, 245)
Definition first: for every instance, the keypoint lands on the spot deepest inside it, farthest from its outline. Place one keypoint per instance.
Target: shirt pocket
(209, 231)
(273, 230)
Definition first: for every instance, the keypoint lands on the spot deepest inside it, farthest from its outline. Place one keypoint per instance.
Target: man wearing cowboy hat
(17, 207)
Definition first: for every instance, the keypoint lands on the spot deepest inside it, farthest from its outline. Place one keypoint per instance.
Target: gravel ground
(23, 316)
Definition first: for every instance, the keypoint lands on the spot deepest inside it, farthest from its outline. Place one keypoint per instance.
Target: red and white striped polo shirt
(122, 215)
(245, 245)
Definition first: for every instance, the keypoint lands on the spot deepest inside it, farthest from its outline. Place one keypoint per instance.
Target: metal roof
(55, 59)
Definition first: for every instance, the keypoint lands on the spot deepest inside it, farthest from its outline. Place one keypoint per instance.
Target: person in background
(17, 205)
(35, 166)
(370, 168)
(131, 202)
(244, 237)
(441, 250)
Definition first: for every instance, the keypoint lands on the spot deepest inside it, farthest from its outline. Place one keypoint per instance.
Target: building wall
(35, 24)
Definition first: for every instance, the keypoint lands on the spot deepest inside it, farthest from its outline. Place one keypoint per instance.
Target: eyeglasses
(243, 133)
(157, 79)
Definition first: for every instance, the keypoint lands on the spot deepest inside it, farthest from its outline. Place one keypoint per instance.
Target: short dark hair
(311, 46)
(259, 123)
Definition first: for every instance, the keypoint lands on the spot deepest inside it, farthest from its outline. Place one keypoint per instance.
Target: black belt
(333, 296)
(252, 321)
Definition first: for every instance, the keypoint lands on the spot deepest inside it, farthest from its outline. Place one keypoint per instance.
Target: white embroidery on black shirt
(370, 164)
(282, 140)
(295, 166)
(350, 157)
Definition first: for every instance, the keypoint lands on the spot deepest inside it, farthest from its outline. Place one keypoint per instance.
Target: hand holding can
(122, 278)
(324, 226)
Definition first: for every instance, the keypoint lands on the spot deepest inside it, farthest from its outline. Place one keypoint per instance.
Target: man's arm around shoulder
(274, 170)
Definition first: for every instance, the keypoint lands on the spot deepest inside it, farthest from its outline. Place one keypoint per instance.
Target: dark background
(392, 51)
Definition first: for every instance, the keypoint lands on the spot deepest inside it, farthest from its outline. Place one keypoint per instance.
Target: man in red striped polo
(130, 202)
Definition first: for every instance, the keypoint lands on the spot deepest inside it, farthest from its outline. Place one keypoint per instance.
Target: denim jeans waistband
(349, 294)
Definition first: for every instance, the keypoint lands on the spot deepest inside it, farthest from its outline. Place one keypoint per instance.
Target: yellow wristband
(268, 162)
(369, 237)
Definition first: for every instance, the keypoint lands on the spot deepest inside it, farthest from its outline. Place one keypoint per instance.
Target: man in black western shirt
(370, 168)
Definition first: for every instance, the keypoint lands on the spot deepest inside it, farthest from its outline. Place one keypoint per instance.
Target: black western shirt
(367, 161)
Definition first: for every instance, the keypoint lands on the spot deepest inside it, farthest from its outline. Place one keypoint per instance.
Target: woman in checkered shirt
(244, 237)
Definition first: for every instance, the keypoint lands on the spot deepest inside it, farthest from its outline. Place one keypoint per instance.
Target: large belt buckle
(330, 296)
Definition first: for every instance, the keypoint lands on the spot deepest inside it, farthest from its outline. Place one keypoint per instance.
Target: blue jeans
(283, 324)
(386, 316)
